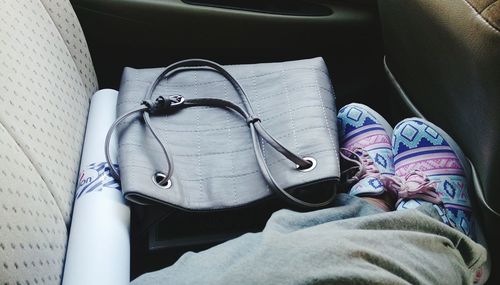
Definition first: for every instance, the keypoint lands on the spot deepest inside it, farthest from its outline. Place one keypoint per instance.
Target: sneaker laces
(415, 185)
(363, 163)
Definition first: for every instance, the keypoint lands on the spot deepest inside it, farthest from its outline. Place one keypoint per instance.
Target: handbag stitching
(226, 176)
(216, 153)
(231, 155)
(241, 125)
(290, 116)
(314, 86)
(326, 121)
(239, 78)
(294, 129)
(258, 113)
(200, 187)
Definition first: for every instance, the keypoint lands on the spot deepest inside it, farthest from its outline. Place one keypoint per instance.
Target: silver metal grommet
(311, 167)
(158, 177)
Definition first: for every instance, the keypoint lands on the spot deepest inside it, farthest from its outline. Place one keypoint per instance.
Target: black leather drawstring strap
(162, 106)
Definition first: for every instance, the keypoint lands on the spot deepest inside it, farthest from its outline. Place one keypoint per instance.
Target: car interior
(435, 59)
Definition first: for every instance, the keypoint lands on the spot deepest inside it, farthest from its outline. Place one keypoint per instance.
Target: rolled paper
(99, 241)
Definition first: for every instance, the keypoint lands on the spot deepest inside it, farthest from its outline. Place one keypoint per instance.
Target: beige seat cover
(46, 80)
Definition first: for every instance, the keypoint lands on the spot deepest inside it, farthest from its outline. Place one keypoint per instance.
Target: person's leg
(430, 168)
(350, 243)
(379, 202)
(354, 242)
(425, 166)
(365, 141)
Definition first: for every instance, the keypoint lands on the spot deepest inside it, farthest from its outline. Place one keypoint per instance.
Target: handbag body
(215, 158)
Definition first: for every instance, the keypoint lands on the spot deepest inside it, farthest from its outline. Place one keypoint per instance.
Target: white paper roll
(99, 241)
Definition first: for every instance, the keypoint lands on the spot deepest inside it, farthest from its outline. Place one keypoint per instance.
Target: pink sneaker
(430, 168)
(365, 143)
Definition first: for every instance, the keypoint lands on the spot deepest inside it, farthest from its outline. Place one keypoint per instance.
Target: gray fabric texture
(351, 243)
(214, 161)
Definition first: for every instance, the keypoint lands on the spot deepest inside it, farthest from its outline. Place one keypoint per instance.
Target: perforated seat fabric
(33, 233)
(46, 80)
(62, 14)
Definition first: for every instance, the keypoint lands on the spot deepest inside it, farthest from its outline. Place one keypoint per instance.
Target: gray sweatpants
(351, 243)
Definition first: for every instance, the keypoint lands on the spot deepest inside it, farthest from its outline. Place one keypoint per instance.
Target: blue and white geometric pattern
(419, 146)
(464, 225)
(375, 183)
(359, 128)
(409, 132)
(449, 189)
(351, 117)
(380, 160)
(415, 134)
(367, 186)
(411, 204)
(431, 132)
(354, 114)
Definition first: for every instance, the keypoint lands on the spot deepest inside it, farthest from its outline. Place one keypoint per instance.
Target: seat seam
(30, 159)
(481, 17)
(481, 11)
(486, 8)
(67, 48)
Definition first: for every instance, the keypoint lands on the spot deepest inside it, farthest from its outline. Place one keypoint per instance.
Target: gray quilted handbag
(200, 136)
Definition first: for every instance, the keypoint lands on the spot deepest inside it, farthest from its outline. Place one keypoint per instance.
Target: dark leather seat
(443, 57)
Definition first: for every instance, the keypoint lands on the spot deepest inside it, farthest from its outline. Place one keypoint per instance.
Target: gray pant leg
(352, 243)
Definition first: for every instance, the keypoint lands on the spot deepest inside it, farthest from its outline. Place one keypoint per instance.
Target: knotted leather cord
(162, 105)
